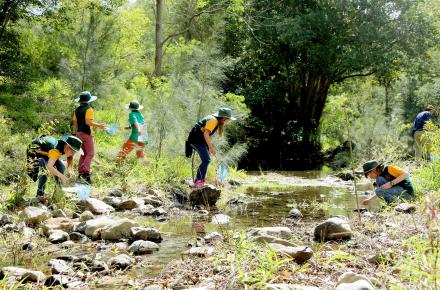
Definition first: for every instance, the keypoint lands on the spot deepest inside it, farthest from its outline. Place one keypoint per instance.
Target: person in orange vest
(200, 139)
(83, 124)
(392, 182)
(44, 153)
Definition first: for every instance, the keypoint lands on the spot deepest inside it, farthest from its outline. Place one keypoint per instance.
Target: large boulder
(93, 228)
(353, 281)
(145, 234)
(281, 232)
(143, 247)
(121, 229)
(299, 254)
(34, 215)
(97, 206)
(22, 274)
(207, 196)
(57, 224)
(334, 228)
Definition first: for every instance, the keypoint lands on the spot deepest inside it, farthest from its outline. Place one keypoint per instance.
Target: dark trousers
(202, 150)
(42, 179)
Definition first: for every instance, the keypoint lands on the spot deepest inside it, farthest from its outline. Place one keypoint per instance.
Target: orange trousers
(128, 146)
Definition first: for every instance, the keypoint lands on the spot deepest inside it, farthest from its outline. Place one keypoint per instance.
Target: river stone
(93, 227)
(145, 234)
(120, 262)
(334, 228)
(207, 196)
(78, 237)
(67, 245)
(299, 254)
(65, 282)
(295, 214)
(21, 274)
(386, 257)
(97, 206)
(154, 287)
(129, 204)
(60, 267)
(86, 216)
(288, 287)
(405, 208)
(220, 219)
(59, 213)
(143, 247)
(5, 219)
(272, 240)
(57, 237)
(281, 232)
(353, 281)
(203, 251)
(118, 192)
(57, 224)
(112, 201)
(213, 237)
(98, 266)
(34, 215)
(152, 200)
(120, 229)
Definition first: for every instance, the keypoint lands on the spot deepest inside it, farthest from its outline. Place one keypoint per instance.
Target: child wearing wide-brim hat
(83, 125)
(138, 137)
(392, 182)
(199, 139)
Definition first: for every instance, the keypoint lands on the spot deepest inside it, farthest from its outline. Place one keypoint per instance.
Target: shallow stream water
(264, 201)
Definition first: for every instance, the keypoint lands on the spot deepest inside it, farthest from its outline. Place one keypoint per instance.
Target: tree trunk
(387, 103)
(159, 38)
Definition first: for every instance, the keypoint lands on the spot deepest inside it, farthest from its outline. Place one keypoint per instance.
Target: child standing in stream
(138, 137)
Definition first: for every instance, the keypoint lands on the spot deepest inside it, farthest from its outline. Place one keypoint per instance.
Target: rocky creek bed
(147, 239)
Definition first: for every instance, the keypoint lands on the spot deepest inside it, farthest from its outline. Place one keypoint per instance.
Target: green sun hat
(74, 143)
(369, 166)
(225, 112)
(85, 97)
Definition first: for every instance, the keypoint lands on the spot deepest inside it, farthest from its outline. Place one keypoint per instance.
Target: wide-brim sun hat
(85, 97)
(225, 113)
(74, 143)
(369, 166)
(430, 107)
(134, 105)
